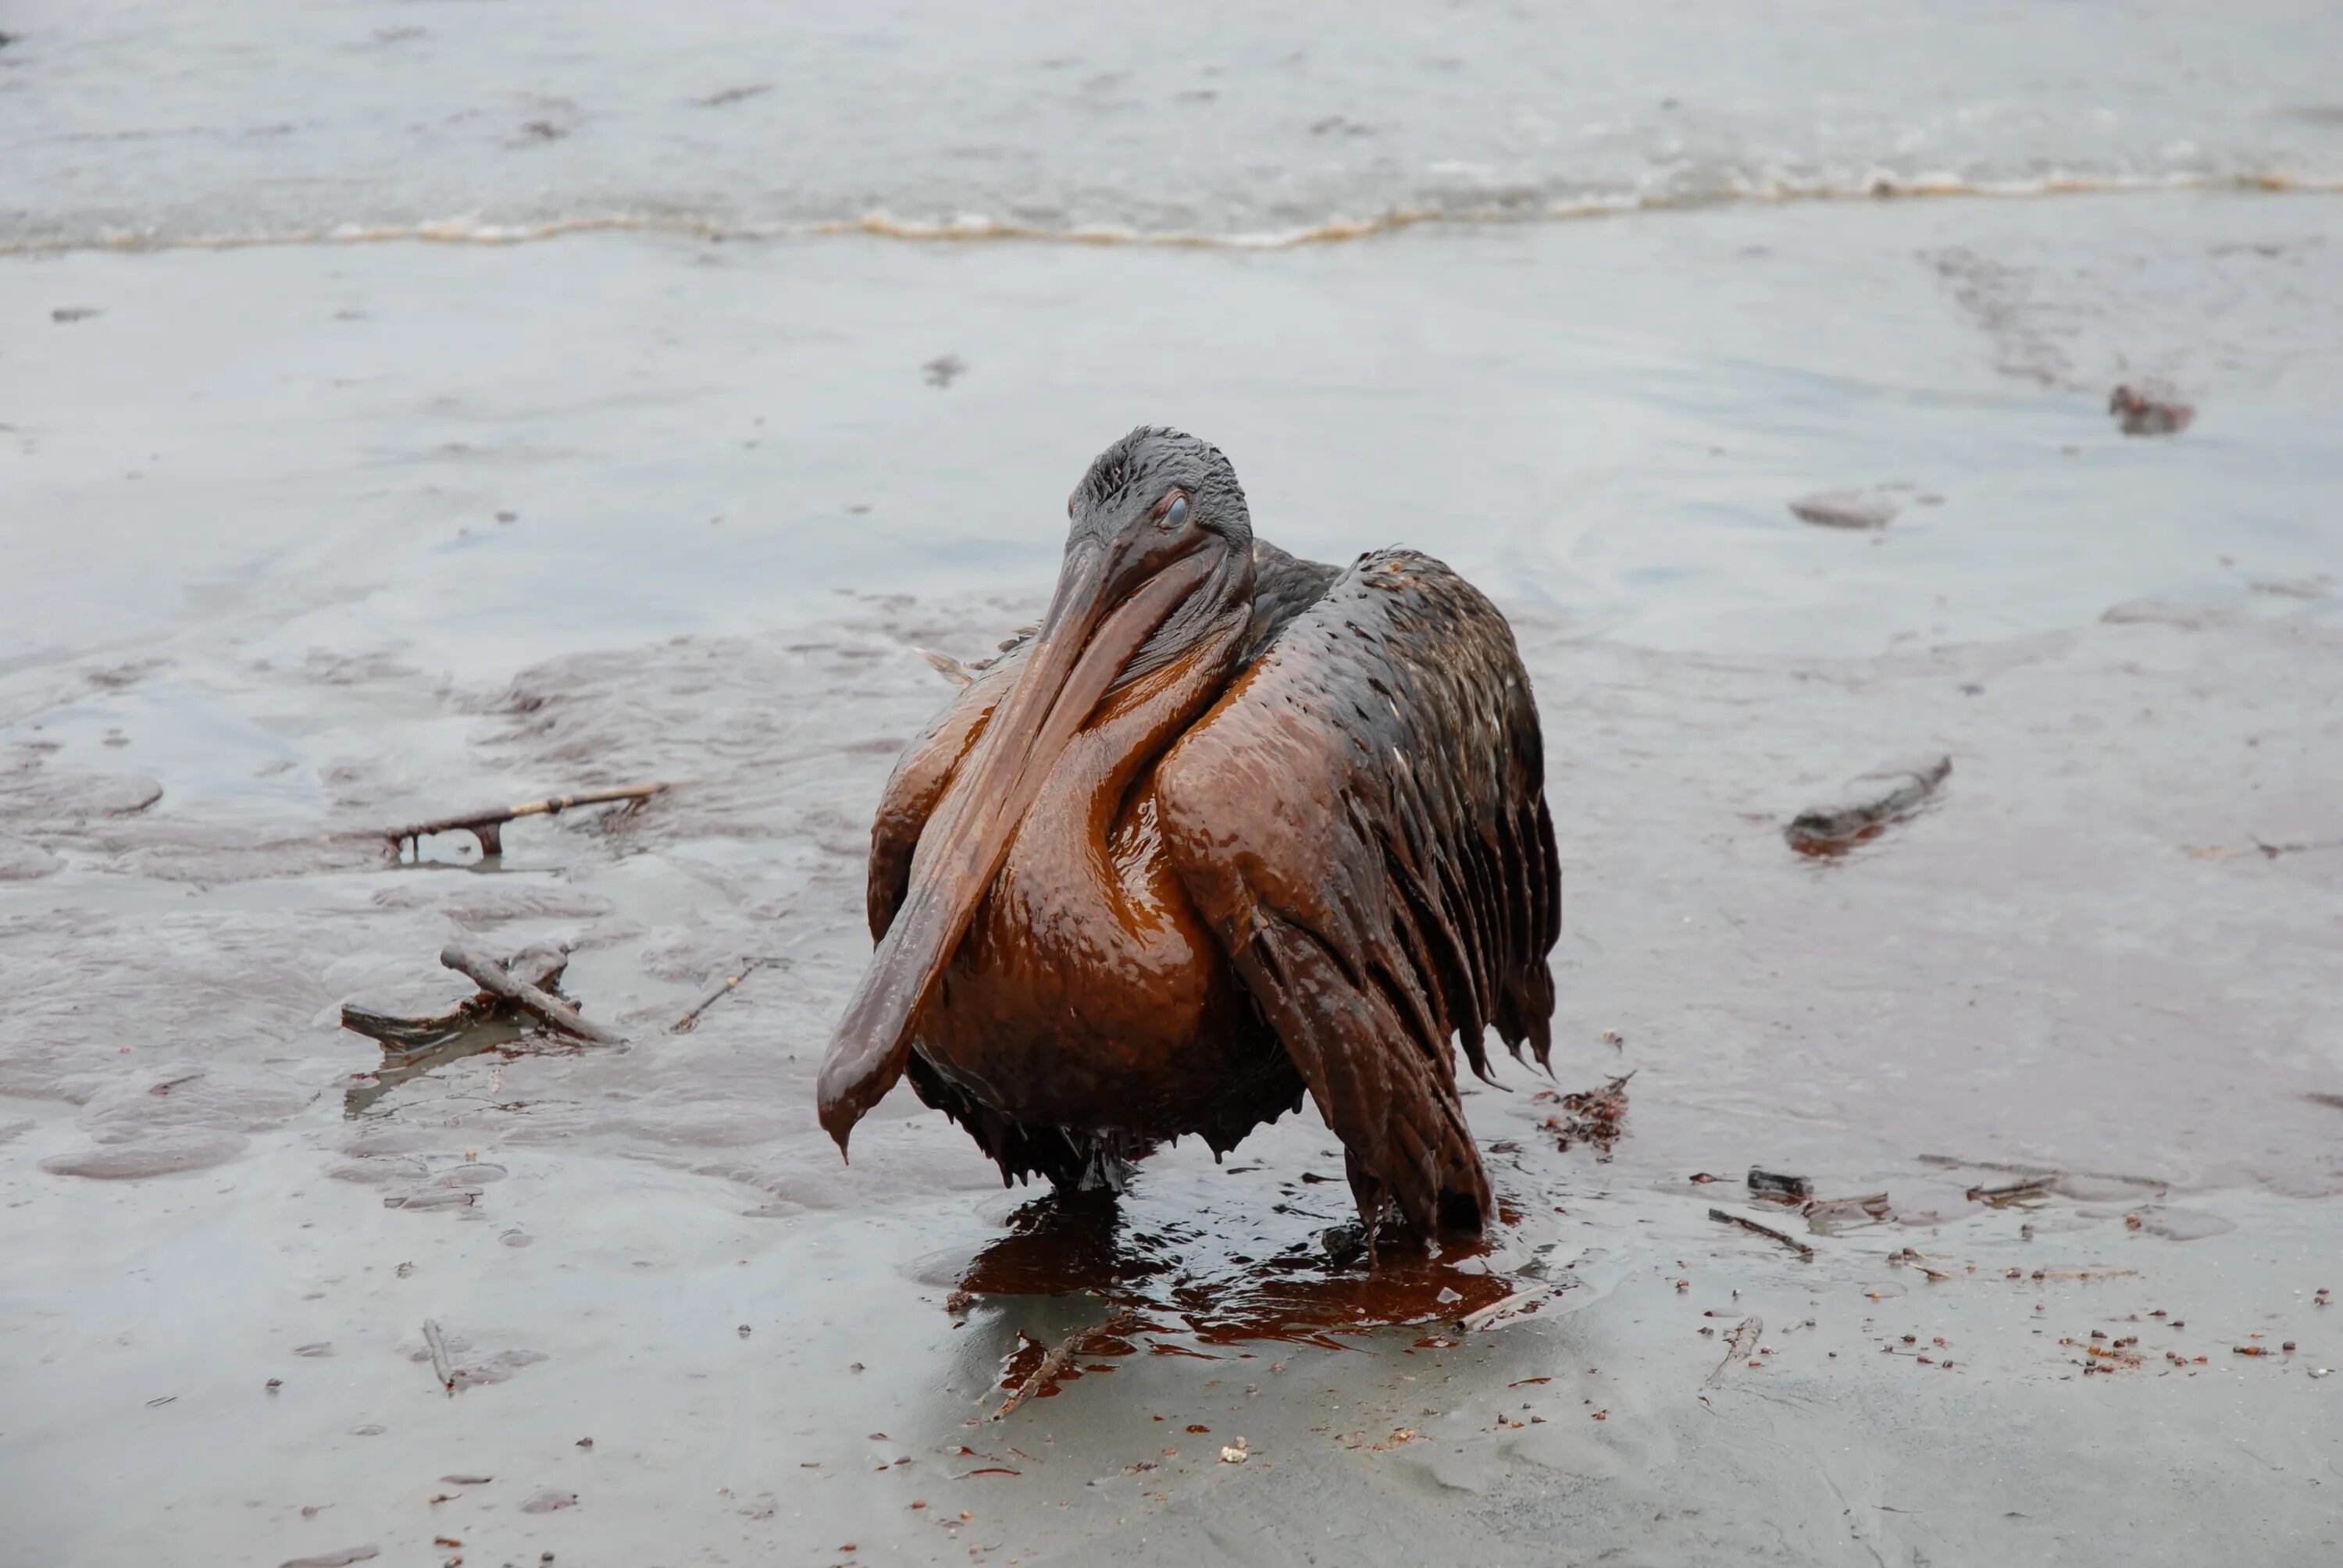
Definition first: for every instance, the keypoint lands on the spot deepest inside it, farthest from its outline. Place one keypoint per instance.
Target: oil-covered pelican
(1227, 827)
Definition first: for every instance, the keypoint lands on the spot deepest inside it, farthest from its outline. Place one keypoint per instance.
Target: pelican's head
(1159, 515)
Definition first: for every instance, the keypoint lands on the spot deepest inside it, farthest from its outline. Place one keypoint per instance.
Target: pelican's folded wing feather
(1361, 817)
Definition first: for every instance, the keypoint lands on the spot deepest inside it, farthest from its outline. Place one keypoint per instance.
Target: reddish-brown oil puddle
(1223, 1287)
(1026, 1360)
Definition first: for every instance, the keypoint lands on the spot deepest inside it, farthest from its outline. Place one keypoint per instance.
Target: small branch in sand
(487, 826)
(690, 1020)
(1061, 1356)
(2015, 1192)
(1743, 1340)
(499, 983)
(441, 1368)
(1518, 1302)
(1800, 1248)
(2272, 851)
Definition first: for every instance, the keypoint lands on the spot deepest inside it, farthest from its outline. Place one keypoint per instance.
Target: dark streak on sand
(1824, 832)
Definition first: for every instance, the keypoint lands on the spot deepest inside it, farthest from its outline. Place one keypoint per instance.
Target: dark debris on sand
(1591, 1116)
(2149, 409)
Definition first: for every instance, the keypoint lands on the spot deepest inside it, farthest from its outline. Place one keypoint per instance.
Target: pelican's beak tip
(837, 1119)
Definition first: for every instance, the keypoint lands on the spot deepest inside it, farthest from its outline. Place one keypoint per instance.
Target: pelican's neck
(1087, 843)
(1136, 725)
(1083, 848)
(1173, 677)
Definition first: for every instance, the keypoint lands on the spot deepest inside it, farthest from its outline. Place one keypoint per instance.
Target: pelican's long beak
(1098, 619)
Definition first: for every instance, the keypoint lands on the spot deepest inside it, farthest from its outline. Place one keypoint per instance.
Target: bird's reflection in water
(1223, 1276)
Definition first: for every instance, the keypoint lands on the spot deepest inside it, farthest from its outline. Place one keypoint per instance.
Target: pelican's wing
(1361, 817)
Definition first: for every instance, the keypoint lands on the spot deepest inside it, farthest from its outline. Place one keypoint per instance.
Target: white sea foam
(1877, 184)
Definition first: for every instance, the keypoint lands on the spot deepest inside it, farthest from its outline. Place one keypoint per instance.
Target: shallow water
(316, 538)
(1610, 419)
(1208, 119)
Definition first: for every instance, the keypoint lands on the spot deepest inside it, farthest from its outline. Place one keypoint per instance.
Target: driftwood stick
(1061, 1356)
(440, 1366)
(690, 1020)
(540, 966)
(487, 826)
(1800, 1248)
(499, 983)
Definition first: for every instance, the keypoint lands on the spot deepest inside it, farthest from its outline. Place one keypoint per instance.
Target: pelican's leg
(1108, 1167)
(1367, 1192)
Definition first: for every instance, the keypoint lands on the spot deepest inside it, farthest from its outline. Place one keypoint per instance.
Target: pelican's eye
(1174, 510)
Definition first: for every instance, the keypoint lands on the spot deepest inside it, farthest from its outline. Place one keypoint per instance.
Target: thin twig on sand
(487, 826)
(1743, 1340)
(2014, 1192)
(690, 1020)
(441, 1368)
(1800, 1248)
(1519, 1301)
(498, 981)
(1061, 1356)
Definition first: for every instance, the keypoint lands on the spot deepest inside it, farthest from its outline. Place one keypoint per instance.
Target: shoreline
(974, 230)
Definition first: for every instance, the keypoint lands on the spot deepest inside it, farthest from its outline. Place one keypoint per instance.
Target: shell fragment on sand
(1845, 509)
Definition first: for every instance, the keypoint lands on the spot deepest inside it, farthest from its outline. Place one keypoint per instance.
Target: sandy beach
(409, 459)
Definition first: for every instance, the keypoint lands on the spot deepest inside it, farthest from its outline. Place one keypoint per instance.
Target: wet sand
(270, 593)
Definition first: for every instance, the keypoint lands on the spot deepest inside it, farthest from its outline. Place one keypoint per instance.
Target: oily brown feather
(1283, 587)
(1393, 881)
